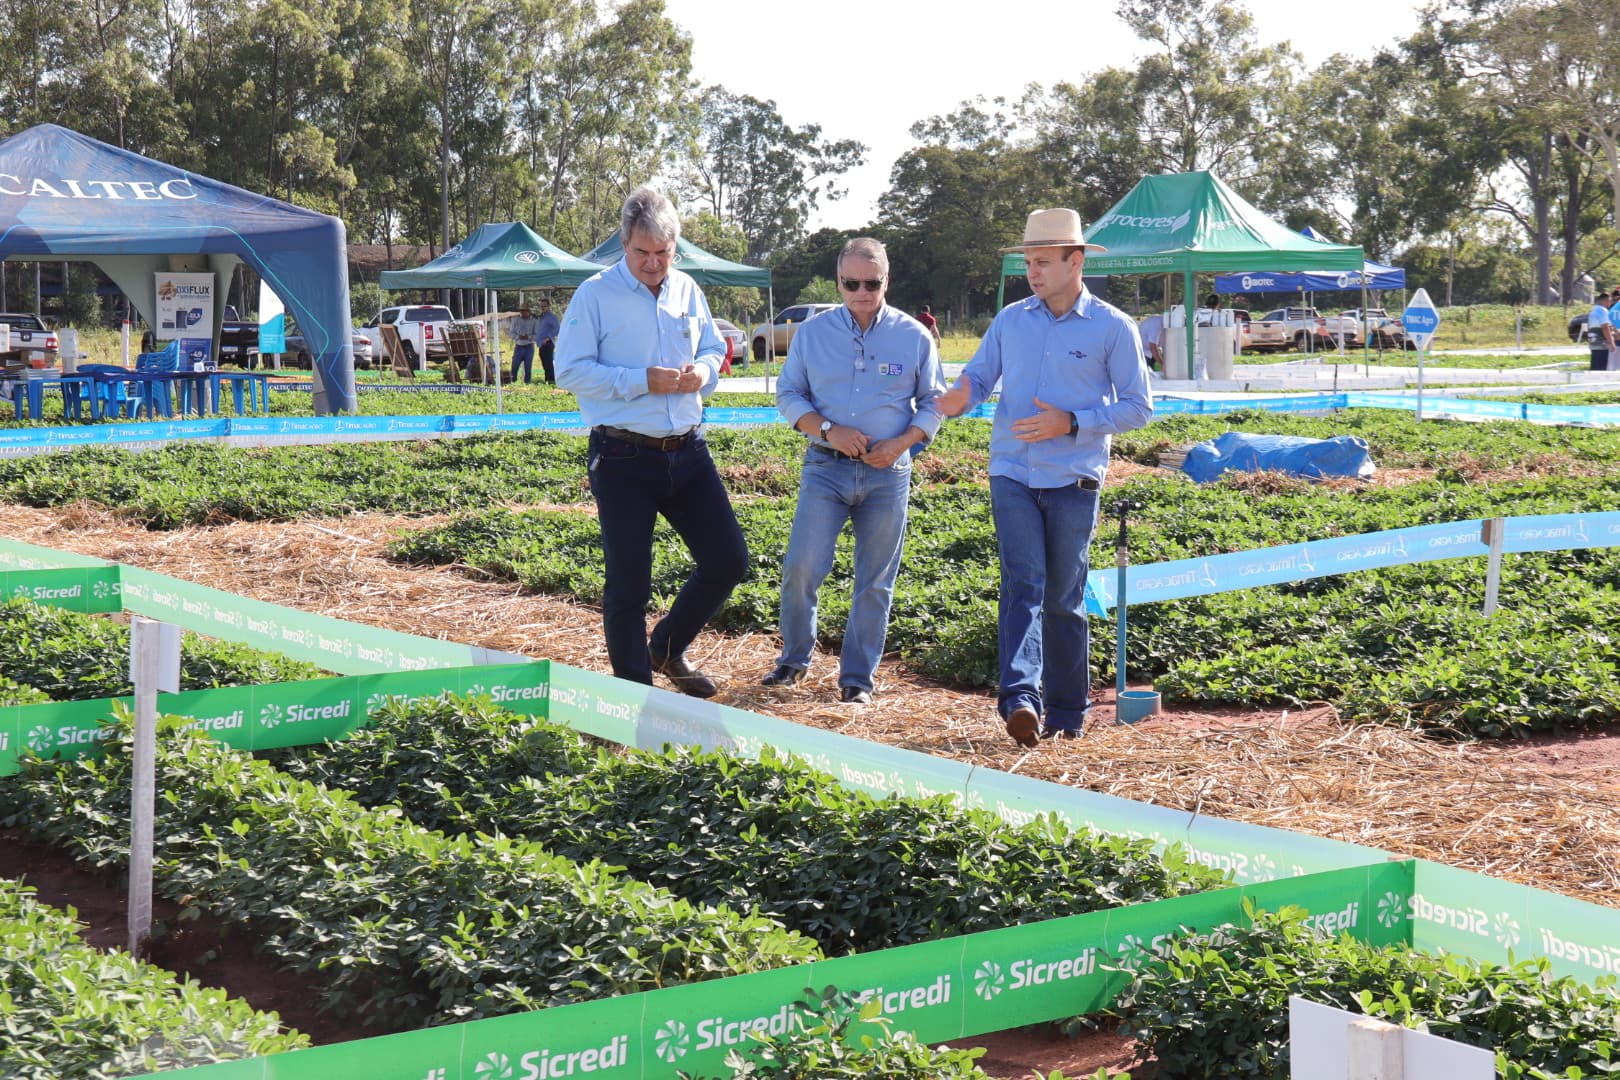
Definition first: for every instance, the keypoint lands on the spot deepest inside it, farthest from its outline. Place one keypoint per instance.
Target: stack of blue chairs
(158, 371)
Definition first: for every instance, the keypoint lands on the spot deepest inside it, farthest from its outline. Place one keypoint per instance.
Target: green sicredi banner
(942, 990)
(266, 717)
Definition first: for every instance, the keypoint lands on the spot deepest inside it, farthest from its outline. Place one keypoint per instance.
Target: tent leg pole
(1188, 293)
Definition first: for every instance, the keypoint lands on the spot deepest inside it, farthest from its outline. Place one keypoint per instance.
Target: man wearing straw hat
(1072, 375)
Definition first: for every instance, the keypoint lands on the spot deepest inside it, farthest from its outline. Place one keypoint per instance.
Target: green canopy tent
(1192, 223)
(508, 255)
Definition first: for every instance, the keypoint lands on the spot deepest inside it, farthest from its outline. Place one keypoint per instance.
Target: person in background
(638, 351)
(1072, 375)
(1208, 314)
(1600, 332)
(546, 334)
(522, 331)
(860, 383)
(1151, 330)
(926, 317)
(1614, 327)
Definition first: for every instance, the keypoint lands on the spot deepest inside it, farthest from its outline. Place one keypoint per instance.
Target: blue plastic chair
(118, 391)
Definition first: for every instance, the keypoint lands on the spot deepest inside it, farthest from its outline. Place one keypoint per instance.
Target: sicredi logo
(1602, 957)
(990, 980)
(893, 1002)
(225, 722)
(1333, 923)
(672, 1041)
(41, 738)
(274, 715)
(1470, 920)
(141, 190)
(1392, 910)
(549, 1064)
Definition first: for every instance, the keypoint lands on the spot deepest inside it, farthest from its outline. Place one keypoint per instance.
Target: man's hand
(954, 402)
(1049, 423)
(687, 379)
(664, 380)
(885, 452)
(847, 440)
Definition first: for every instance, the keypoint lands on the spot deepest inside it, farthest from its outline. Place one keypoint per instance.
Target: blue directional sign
(1421, 319)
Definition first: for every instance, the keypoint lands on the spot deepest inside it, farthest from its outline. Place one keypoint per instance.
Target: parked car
(782, 329)
(736, 344)
(1259, 335)
(31, 341)
(1309, 329)
(298, 348)
(421, 330)
(1383, 330)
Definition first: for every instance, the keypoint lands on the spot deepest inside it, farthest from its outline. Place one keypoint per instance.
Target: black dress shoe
(854, 695)
(783, 675)
(687, 679)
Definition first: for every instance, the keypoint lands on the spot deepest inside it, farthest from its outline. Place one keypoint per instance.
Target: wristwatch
(826, 426)
(1074, 424)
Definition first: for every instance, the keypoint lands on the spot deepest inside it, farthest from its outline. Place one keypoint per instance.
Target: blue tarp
(67, 197)
(1344, 455)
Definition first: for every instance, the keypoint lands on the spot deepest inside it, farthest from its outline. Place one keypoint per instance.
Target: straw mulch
(1546, 815)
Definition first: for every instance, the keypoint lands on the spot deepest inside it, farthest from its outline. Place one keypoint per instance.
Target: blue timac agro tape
(1341, 555)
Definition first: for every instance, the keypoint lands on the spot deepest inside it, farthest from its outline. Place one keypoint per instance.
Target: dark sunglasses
(871, 284)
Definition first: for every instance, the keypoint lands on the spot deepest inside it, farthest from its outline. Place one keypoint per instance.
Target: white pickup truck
(421, 330)
(1311, 331)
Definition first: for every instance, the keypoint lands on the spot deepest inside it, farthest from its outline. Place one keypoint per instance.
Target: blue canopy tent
(1372, 276)
(66, 197)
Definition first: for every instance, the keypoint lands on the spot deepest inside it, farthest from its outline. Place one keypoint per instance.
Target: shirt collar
(629, 281)
(1082, 304)
(855, 327)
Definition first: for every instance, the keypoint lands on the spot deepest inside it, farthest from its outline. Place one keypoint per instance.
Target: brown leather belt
(651, 442)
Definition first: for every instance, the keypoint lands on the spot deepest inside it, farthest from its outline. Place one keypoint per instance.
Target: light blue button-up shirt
(616, 329)
(880, 381)
(546, 326)
(1088, 363)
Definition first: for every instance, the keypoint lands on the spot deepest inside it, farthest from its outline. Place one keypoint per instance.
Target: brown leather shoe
(687, 679)
(1024, 725)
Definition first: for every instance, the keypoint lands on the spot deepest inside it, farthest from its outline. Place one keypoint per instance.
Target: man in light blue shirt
(1600, 332)
(545, 332)
(1072, 375)
(639, 350)
(860, 382)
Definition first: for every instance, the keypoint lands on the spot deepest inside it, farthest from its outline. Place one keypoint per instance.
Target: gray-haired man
(638, 349)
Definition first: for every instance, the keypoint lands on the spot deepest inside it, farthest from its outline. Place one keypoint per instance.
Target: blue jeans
(1043, 639)
(833, 490)
(523, 356)
(633, 485)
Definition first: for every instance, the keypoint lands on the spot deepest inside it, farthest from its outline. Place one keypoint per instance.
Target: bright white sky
(923, 58)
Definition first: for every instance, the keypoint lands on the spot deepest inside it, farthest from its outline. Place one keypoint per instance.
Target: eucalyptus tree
(764, 175)
(607, 106)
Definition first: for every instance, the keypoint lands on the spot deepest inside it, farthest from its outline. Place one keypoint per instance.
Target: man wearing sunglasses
(860, 383)
(1071, 374)
(640, 351)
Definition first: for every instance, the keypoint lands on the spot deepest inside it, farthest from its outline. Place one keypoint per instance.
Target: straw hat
(1054, 228)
